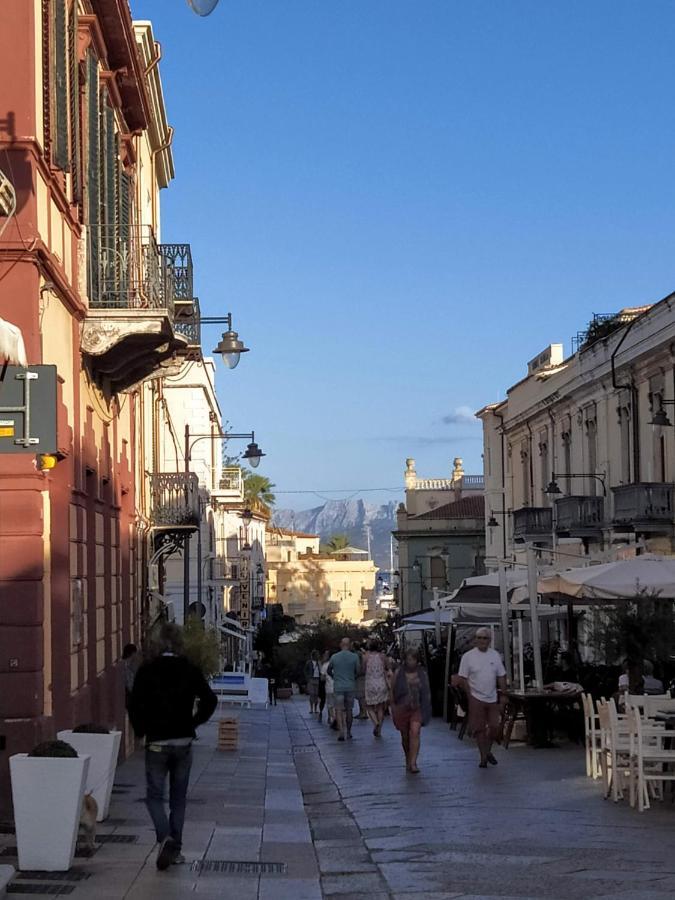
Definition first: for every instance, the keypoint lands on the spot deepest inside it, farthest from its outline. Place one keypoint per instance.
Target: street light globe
(202, 7)
(253, 455)
(230, 349)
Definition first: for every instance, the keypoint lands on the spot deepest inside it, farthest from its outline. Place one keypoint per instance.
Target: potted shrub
(48, 785)
(103, 746)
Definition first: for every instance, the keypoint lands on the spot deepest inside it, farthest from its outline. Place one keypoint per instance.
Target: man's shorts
(344, 700)
(484, 717)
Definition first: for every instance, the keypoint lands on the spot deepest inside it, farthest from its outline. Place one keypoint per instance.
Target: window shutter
(61, 71)
(93, 178)
(75, 159)
(110, 252)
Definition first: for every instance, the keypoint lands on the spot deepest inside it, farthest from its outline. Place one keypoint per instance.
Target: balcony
(579, 516)
(231, 486)
(175, 499)
(178, 260)
(644, 507)
(533, 523)
(129, 330)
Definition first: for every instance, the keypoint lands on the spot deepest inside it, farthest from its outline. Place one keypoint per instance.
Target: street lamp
(229, 346)
(247, 517)
(253, 453)
(553, 488)
(660, 418)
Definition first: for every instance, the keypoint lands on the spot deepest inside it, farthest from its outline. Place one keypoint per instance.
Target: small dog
(88, 820)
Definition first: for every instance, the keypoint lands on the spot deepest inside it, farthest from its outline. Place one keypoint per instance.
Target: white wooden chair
(650, 754)
(649, 704)
(615, 750)
(593, 737)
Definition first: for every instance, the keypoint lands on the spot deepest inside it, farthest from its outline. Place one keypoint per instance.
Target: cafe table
(537, 708)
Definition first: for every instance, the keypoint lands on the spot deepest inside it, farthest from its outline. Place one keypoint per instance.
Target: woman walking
(360, 682)
(313, 676)
(375, 664)
(323, 670)
(411, 706)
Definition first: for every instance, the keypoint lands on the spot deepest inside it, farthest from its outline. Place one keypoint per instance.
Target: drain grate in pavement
(116, 838)
(308, 749)
(52, 876)
(56, 890)
(226, 867)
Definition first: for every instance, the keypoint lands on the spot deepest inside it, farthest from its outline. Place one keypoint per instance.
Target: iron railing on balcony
(126, 269)
(579, 515)
(646, 506)
(232, 481)
(175, 498)
(178, 259)
(532, 522)
(188, 322)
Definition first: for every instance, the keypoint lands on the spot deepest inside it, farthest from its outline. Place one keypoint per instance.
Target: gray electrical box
(28, 409)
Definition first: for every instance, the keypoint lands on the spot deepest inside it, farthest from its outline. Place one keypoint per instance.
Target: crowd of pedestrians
(383, 686)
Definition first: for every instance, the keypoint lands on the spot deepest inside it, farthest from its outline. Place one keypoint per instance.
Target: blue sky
(402, 201)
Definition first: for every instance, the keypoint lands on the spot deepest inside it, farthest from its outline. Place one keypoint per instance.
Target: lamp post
(253, 455)
(552, 487)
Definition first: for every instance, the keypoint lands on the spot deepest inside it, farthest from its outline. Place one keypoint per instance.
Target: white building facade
(572, 457)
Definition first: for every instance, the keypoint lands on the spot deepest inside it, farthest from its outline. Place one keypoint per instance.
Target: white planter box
(47, 795)
(103, 750)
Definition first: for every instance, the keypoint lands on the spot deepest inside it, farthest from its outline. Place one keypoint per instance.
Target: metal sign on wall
(245, 589)
(28, 409)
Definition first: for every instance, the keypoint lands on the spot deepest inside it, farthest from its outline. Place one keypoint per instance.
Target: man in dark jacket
(162, 709)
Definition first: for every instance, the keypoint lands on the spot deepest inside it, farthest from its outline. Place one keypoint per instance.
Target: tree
(336, 543)
(634, 630)
(258, 489)
(202, 646)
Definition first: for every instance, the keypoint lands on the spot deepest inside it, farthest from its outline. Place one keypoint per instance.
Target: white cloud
(461, 415)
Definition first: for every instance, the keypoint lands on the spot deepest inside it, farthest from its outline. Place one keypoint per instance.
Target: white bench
(237, 687)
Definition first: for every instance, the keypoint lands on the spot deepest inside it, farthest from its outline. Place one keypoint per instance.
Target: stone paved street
(346, 821)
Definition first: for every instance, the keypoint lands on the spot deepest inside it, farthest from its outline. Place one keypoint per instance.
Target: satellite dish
(202, 7)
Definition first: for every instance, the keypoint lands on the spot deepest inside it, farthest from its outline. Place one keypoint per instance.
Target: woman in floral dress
(377, 691)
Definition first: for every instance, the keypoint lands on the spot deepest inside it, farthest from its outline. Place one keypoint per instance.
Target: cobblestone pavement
(294, 815)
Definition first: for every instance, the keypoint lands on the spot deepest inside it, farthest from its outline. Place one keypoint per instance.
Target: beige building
(311, 585)
(581, 453)
(440, 534)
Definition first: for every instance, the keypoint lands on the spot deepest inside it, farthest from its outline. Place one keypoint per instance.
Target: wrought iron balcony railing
(579, 515)
(188, 322)
(175, 498)
(532, 522)
(232, 481)
(126, 269)
(178, 259)
(646, 506)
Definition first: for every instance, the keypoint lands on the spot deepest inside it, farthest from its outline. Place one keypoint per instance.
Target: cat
(88, 820)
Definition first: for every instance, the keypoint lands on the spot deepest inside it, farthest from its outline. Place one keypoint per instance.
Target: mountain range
(350, 517)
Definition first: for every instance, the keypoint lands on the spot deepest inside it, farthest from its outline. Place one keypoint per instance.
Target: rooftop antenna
(202, 7)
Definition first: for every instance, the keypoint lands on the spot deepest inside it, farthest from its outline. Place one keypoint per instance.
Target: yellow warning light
(46, 461)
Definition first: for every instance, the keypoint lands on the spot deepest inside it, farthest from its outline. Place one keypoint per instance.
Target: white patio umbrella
(616, 580)
(12, 350)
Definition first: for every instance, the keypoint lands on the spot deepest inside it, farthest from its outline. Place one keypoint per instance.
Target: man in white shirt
(483, 677)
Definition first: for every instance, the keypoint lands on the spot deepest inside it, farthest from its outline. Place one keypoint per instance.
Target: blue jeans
(176, 763)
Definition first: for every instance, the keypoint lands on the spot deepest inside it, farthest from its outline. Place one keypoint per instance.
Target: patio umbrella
(616, 580)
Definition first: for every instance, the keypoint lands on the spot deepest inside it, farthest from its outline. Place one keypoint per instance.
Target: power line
(353, 491)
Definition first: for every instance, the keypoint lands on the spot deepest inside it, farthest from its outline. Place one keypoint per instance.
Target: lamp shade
(230, 348)
(253, 455)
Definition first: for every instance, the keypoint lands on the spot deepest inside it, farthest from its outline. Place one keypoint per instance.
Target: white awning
(12, 349)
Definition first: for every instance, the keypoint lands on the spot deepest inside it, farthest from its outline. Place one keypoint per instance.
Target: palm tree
(258, 489)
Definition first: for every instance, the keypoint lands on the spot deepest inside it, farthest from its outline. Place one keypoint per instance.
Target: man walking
(170, 699)
(483, 677)
(343, 668)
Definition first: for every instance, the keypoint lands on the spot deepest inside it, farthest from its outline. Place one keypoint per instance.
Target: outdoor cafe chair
(650, 754)
(650, 704)
(615, 750)
(593, 739)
